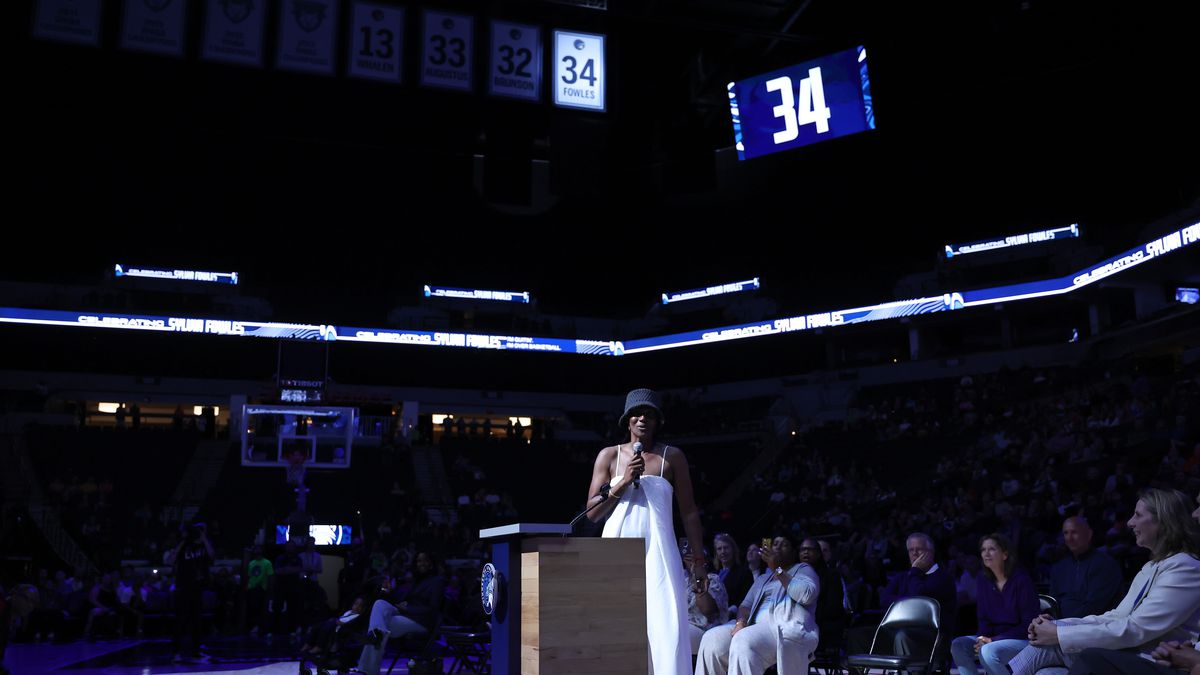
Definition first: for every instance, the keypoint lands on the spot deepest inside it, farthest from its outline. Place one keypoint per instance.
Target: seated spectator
(1169, 658)
(707, 603)
(834, 564)
(133, 606)
(1086, 581)
(924, 578)
(1163, 601)
(831, 603)
(754, 563)
(413, 612)
(1121, 479)
(102, 602)
(967, 584)
(319, 638)
(734, 575)
(775, 623)
(1006, 603)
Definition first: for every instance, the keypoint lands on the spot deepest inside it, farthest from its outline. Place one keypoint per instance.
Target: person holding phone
(776, 624)
(708, 601)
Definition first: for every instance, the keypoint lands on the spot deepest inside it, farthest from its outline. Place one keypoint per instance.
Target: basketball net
(295, 469)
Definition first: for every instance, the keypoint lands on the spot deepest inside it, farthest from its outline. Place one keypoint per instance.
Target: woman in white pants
(775, 624)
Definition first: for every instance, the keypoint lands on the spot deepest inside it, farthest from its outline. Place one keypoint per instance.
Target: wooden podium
(567, 604)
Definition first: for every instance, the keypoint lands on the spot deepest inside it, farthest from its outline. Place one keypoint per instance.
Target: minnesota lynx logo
(309, 15)
(237, 10)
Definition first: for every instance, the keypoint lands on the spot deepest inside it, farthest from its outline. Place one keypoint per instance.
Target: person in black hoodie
(414, 612)
(191, 559)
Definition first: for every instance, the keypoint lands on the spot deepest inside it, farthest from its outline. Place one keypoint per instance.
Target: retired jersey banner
(516, 61)
(154, 26)
(233, 31)
(376, 41)
(579, 72)
(76, 21)
(447, 49)
(307, 29)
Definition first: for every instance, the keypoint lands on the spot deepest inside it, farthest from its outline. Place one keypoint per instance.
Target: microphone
(637, 451)
(603, 495)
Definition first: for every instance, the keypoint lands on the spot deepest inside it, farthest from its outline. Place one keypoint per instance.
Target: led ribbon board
(175, 275)
(475, 294)
(1067, 232)
(1168, 243)
(477, 341)
(166, 324)
(1089, 275)
(736, 287)
(809, 102)
(949, 301)
(887, 310)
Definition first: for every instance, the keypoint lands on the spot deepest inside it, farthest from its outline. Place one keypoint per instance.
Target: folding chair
(907, 613)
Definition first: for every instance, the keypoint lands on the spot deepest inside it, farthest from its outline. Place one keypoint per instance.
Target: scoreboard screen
(803, 104)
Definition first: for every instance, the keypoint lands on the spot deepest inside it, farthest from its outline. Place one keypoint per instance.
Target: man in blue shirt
(1086, 581)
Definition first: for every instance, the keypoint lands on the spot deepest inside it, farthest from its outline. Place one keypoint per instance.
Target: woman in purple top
(1007, 602)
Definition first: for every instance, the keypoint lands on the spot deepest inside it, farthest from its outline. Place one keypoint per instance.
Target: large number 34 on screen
(796, 111)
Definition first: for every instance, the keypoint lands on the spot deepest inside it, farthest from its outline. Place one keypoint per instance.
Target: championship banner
(154, 26)
(233, 31)
(74, 21)
(306, 33)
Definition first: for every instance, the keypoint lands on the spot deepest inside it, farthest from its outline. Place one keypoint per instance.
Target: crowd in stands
(1038, 470)
(1028, 461)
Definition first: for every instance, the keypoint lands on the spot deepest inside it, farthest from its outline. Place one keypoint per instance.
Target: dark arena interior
(387, 271)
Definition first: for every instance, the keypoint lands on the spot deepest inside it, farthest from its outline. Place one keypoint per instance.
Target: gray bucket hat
(641, 398)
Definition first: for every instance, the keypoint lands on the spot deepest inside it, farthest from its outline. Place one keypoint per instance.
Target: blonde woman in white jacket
(1163, 602)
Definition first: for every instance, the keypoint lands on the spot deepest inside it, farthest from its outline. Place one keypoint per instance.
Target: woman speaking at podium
(638, 479)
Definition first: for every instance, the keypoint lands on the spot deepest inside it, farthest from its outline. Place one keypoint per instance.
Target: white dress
(648, 513)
